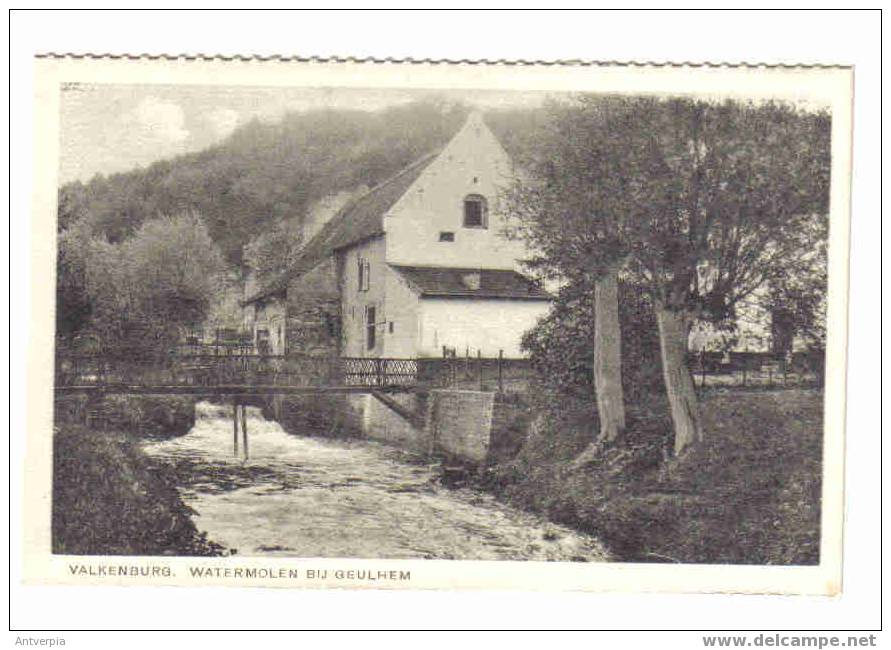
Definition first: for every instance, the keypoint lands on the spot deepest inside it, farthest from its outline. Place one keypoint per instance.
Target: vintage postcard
(322, 323)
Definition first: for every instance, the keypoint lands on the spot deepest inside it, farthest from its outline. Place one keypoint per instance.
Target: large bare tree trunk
(682, 401)
(608, 357)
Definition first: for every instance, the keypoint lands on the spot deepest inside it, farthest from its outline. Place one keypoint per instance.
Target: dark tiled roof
(447, 282)
(358, 220)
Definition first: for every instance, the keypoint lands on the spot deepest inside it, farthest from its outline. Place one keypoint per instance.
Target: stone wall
(382, 423)
(464, 425)
(460, 423)
(313, 312)
(328, 415)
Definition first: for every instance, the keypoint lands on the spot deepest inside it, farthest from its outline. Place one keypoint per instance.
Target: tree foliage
(706, 200)
(560, 349)
(274, 251)
(702, 203)
(265, 172)
(796, 299)
(137, 294)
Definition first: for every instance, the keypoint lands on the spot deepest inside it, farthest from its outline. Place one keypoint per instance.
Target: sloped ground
(750, 494)
(109, 499)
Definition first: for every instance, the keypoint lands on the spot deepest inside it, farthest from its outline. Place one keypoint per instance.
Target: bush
(109, 499)
(141, 416)
(154, 417)
(561, 344)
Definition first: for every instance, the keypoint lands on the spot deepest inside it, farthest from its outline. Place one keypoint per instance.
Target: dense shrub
(110, 499)
(155, 417)
(561, 345)
(140, 416)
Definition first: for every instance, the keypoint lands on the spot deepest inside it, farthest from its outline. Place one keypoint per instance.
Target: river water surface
(313, 497)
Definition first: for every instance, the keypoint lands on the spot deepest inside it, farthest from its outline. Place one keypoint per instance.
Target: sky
(114, 128)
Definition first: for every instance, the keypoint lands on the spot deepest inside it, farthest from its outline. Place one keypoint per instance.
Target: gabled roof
(359, 220)
(443, 282)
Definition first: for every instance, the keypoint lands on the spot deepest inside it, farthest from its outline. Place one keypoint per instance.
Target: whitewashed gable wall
(472, 163)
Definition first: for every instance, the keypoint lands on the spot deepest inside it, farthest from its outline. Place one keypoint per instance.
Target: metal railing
(184, 369)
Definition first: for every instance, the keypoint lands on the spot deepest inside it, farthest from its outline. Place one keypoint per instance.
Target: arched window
(476, 211)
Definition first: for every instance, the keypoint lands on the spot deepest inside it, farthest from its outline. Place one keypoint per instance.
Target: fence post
(479, 363)
(500, 371)
(447, 367)
(378, 371)
(702, 370)
(770, 376)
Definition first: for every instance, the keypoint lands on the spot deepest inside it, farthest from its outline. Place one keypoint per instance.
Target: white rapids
(313, 497)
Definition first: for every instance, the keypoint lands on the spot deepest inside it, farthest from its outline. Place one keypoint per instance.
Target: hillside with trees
(263, 173)
(254, 195)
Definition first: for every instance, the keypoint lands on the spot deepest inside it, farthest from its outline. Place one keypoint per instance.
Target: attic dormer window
(476, 211)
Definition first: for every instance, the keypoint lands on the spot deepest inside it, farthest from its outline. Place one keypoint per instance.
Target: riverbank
(142, 416)
(749, 494)
(313, 496)
(109, 498)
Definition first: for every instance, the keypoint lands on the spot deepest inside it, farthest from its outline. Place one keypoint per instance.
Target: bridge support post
(244, 433)
(235, 425)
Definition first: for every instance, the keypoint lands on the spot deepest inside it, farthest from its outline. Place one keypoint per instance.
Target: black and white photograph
(382, 325)
(388, 324)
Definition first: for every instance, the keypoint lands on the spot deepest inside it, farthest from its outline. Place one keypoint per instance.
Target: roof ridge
(331, 232)
(409, 167)
(358, 199)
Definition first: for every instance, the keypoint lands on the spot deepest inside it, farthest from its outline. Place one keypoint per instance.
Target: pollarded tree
(567, 201)
(703, 202)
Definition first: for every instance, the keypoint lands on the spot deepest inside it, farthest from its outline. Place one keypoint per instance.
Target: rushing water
(312, 497)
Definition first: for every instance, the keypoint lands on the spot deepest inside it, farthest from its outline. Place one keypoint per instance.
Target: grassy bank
(750, 494)
(109, 498)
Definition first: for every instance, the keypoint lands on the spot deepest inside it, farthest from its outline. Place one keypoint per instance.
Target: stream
(306, 496)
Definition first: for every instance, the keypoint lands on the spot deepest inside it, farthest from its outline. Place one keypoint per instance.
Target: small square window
(391, 327)
(446, 236)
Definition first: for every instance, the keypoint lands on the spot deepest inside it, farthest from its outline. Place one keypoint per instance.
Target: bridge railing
(229, 370)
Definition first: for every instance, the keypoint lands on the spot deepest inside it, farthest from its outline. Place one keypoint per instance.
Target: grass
(749, 494)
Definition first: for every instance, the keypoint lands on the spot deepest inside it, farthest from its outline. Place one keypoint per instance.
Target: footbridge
(236, 375)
